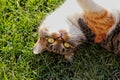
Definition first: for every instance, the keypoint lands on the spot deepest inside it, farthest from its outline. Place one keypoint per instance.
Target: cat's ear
(39, 47)
(90, 6)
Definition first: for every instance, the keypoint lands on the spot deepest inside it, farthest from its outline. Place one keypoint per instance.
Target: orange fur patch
(99, 23)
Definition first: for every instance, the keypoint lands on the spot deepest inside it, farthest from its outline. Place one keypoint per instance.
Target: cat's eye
(66, 45)
(51, 40)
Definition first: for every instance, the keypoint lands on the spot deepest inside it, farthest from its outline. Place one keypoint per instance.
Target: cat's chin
(69, 57)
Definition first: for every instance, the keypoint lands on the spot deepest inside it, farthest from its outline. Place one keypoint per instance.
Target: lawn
(19, 21)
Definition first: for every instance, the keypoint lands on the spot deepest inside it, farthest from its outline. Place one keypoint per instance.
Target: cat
(59, 31)
(103, 25)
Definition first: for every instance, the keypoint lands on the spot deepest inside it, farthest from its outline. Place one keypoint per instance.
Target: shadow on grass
(90, 63)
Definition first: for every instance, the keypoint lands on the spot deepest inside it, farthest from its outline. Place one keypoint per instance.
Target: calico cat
(67, 27)
(59, 31)
(102, 23)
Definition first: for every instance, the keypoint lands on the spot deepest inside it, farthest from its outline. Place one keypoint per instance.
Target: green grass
(19, 20)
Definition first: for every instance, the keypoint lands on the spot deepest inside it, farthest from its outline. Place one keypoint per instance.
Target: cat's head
(62, 37)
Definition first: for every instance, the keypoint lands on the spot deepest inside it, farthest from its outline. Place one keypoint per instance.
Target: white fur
(109, 4)
(98, 4)
(66, 16)
(90, 5)
(66, 13)
(116, 15)
(58, 19)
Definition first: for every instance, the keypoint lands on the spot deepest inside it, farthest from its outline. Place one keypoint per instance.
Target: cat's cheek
(39, 47)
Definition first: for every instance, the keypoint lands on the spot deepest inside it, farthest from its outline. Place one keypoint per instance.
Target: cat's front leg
(69, 57)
